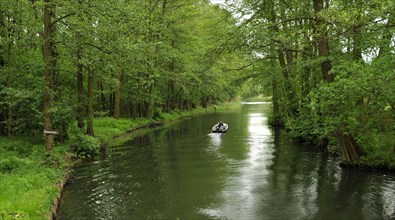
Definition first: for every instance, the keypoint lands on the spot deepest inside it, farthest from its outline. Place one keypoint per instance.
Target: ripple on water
(185, 172)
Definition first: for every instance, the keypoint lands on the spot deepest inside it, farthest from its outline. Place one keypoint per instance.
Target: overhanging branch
(61, 18)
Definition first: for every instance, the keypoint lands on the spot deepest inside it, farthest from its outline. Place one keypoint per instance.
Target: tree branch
(238, 69)
(61, 18)
(99, 48)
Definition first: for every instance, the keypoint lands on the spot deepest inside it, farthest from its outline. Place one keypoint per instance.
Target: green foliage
(10, 164)
(160, 58)
(285, 42)
(107, 128)
(28, 178)
(83, 145)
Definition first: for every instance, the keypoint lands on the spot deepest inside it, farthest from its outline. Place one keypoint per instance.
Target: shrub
(10, 164)
(84, 145)
(21, 148)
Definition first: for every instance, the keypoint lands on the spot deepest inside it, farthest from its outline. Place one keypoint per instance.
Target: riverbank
(30, 178)
(107, 128)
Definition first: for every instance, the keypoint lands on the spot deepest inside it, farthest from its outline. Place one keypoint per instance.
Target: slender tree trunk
(89, 129)
(55, 73)
(9, 85)
(80, 88)
(285, 63)
(278, 121)
(305, 75)
(171, 95)
(291, 91)
(134, 110)
(281, 60)
(3, 116)
(111, 100)
(103, 97)
(140, 109)
(117, 97)
(48, 71)
(290, 62)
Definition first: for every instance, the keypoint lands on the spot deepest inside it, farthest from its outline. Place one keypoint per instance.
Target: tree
(49, 70)
(319, 48)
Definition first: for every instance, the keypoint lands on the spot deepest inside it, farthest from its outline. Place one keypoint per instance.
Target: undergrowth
(28, 177)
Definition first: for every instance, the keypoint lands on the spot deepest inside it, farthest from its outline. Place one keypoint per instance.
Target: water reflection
(184, 171)
(256, 103)
(387, 194)
(216, 139)
(242, 194)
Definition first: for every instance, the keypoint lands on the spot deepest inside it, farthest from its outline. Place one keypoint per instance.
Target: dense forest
(67, 61)
(76, 74)
(328, 66)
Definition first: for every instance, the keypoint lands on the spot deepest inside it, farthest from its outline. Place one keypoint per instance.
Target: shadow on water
(251, 172)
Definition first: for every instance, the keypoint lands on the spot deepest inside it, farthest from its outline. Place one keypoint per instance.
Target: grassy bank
(29, 176)
(107, 128)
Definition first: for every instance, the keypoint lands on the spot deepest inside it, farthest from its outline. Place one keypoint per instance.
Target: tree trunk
(350, 149)
(9, 85)
(305, 76)
(322, 41)
(140, 109)
(2, 64)
(285, 63)
(103, 97)
(111, 100)
(80, 88)
(281, 60)
(89, 129)
(117, 97)
(48, 71)
(146, 109)
(290, 62)
(171, 96)
(277, 122)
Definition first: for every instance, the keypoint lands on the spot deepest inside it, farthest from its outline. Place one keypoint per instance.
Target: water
(181, 171)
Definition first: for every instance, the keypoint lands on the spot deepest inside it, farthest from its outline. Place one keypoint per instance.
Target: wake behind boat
(220, 127)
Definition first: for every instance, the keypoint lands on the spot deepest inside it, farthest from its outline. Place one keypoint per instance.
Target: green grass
(28, 178)
(107, 128)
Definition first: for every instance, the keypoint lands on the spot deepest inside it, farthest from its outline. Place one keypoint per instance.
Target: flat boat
(220, 128)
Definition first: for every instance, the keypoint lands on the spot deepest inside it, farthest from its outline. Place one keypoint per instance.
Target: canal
(182, 171)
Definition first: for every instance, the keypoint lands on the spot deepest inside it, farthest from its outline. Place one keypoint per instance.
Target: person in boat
(220, 124)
